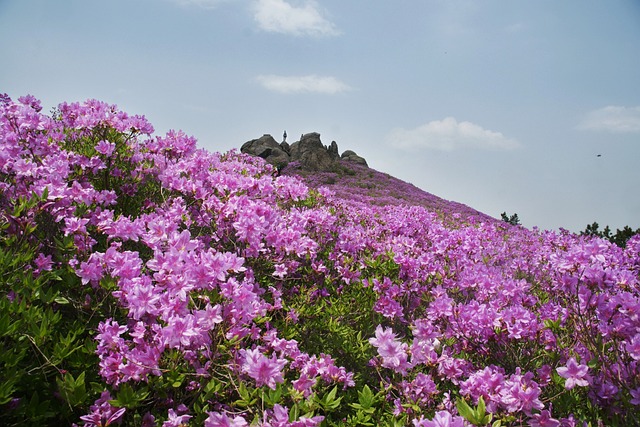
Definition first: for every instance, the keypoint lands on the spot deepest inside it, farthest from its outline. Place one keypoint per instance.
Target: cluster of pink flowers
(473, 307)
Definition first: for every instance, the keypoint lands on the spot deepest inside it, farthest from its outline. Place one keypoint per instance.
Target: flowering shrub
(149, 282)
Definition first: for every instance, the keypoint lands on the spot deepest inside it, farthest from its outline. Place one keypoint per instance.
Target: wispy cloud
(448, 135)
(613, 119)
(280, 16)
(303, 84)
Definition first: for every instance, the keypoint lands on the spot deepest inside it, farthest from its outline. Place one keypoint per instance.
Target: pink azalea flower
(263, 370)
(543, 419)
(176, 420)
(440, 419)
(575, 374)
(102, 413)
(216, 419)
(635, 396)
(392, 351)
(105, 147)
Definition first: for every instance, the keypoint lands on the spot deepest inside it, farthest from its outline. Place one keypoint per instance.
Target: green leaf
(465, 410)
(61, 300)
(365, 397)
(294, 413)
(73, 390)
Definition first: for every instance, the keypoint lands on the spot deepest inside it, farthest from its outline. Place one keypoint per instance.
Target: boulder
(311, 154)
(333, 150)
(267, 148)
(284, 145)
(351, 156)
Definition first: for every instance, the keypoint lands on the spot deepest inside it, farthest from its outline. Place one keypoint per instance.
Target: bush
(147, 282)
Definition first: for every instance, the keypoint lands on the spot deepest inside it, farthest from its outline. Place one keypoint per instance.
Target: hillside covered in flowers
(147, 282)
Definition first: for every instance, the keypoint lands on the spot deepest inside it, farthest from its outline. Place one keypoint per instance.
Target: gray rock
(309, 152)
(351, 156)
(284, 145)
(267, 148)
(333, 150)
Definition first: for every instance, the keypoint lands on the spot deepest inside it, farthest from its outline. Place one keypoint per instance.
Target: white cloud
(613, 119)
(448, 135)
(281, 17)
(303, 84)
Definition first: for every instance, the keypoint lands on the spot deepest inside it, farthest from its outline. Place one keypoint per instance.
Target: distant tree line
(620, 237)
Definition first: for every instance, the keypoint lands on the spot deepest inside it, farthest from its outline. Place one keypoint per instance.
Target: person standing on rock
(284, 136)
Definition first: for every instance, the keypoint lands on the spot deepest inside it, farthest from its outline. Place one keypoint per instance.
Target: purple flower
(392, 351)
(575, 375)
(105, 147)
(176, 420)
(440, 419)
(216, 419)
(543, 419)
(263, 370)
(102, 413)
(633, 347)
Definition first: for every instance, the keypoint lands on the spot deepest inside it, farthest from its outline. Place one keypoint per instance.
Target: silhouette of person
(284, 136)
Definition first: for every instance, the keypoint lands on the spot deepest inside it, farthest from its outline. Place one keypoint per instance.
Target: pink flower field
(147, 282)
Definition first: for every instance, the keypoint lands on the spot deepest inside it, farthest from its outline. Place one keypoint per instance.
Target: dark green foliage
(47, 363)
(513, 219)
(620, 237)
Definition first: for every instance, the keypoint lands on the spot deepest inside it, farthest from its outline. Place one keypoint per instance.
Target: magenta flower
(263, 370)
(105, 147)
(633, 347)
(575, 375)
(176, 420)
(392, 351)
(102, 413)
(543, 419)
(216, 419)
(440, 419)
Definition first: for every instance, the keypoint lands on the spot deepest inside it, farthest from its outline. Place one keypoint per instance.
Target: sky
(527, 107)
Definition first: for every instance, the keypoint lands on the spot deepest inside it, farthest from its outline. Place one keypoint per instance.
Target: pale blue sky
(500, 105)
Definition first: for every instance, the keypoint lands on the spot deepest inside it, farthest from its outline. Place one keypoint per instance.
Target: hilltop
(348, 176)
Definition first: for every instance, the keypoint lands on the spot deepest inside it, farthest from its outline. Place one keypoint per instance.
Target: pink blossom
(176, 420)
(216, 419)
(105, 147)
(633, 347)
(392, 351)
(543, 419)
(304, 384)
(575, 374)
(264, 370)
(43, 263)
(440, 419)
(103, 413)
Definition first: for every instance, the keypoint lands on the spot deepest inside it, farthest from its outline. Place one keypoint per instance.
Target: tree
(513, 219)
(620, 237)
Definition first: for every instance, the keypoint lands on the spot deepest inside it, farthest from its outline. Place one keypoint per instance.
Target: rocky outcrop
(351, 156)
(308, 151)
(333, 150)
(267, 148)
